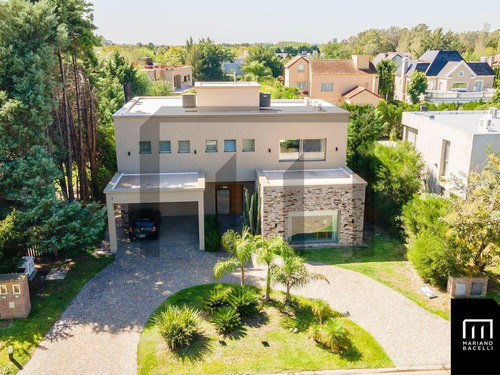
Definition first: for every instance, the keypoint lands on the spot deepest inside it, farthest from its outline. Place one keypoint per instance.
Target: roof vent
(189, 100)
(485, 124)
(307, 100)
(423, 108)
(431, 117)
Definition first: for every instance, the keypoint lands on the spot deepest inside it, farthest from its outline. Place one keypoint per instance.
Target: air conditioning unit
(307, 100)
(493, 112)
(485, 124)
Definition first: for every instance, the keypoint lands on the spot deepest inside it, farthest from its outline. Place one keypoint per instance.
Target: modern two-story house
(180, 77)
(334, 80)
(195, 155)
(449, 77)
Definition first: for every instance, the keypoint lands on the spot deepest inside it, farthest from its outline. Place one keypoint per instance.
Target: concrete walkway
(100, 330)
(410, 335)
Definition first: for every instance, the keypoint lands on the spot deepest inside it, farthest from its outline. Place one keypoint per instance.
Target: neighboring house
(195, 155)
(330, 79)
(449, 78)
(179, 76)
(494, 61)
(395, 57)
(452, 143)
(282, 55)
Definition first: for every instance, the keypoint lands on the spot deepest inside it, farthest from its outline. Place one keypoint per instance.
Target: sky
(252, 21)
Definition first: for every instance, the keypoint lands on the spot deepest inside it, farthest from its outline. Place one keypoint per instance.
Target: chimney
(361, 62)
(404, 67)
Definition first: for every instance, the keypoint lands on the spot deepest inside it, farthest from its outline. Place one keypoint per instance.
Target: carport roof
(129, 183)
(309, 177)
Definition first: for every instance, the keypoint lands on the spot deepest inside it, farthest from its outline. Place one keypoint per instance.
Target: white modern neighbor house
(195, 155)
(452, 143)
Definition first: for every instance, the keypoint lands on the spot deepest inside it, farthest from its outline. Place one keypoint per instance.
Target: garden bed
(262, 344)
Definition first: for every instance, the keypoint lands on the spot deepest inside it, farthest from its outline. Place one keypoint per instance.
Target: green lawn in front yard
(24, 335)
(244, 352)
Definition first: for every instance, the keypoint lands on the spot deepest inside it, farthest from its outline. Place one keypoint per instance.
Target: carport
(155, 188)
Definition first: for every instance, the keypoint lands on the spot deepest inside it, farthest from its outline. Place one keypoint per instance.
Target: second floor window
(230, 145)
(327, 86)
(301, 85)
(211, 146)
(445, 158)
(16, 289)
(3, 289)
(302, 149)
(144, 147)
(165, 147)
(302, 68)
(248, 145)
(184, 147)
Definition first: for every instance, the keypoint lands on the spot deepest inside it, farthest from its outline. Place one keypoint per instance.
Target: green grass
(384, 260)
(244, 353)
(24, 335)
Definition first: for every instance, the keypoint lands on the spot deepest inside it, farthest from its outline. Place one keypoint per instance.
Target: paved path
(410, 335)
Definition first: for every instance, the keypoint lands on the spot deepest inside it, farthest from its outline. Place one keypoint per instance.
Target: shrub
(226, 319)
(178, 326)
(212, 236)
(216, 299)
(331, 335)
(321, 309)
(245, 301)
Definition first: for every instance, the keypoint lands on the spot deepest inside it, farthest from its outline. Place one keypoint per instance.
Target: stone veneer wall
(349, 200)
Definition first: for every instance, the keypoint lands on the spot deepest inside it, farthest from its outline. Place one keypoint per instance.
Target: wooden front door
(229, 199)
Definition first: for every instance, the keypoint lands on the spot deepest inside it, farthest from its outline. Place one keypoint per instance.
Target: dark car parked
(144, 224)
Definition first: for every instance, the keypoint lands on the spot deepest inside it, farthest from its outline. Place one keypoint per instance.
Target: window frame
(460, 88)
(301, 152)
(145, 152)
(445, 158)
(301, 68)
(216, 146)
(325, 90)
(14, 287)
(335, 214)
(235, 145)
(301, 85)
(243, 145)
(4, 290)
(179, 147)
(164, 152)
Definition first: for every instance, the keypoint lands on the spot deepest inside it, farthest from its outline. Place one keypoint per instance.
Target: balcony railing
(464, 95)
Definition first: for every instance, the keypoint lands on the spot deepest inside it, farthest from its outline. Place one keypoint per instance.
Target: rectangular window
(302, 149)
(313, 226)
(445, 158)
(459, 86)
(302, 67)
(3, 289)
(440, 86)
(16, 289)
(144, 147)
(411, 135)
(301, 85)
(289, 149)
(230, 145)
(478, 86)
(248, 145)
(184, 147)
(211, 146)
(165, 147)
(327, 86)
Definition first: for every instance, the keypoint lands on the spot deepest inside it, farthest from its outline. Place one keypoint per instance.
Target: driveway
(100, 330)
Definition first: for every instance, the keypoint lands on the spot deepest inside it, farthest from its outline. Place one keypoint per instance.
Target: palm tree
(240, 247)
(321, 309)
(292, 273)
(254, 71)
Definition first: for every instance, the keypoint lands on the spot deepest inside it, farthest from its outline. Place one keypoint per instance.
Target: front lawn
(384, 260)
(244, 351)
(24, 335)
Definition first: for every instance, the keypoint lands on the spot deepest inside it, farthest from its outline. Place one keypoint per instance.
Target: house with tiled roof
(331, 79)
(395, 57)
(449, 77)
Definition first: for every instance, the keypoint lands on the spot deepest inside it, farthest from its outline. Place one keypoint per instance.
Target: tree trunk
(287, 297)
(242, 276)
(268, 285)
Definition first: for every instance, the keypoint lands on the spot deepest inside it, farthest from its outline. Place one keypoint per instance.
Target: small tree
(292, 273)
(385, 71)
(240, 247)
(417, 86)
(255, 71)
(321, 309)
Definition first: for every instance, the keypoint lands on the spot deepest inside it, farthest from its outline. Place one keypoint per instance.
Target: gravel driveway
(100, 330)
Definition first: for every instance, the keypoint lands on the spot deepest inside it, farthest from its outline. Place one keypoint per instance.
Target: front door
(229, 199)
(478, 86)
(177, 81)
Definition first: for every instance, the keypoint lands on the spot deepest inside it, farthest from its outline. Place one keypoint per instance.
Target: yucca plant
(216, 298)
(179, 326)
(245, 301)
(225, 319)
(321, 309)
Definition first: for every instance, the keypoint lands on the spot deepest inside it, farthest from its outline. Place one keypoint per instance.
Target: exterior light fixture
(336, 148)
(11, 350)
(195, 151)
(128, 153)
(269, 150)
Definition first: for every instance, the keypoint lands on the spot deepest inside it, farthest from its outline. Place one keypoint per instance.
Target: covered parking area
(155, 188)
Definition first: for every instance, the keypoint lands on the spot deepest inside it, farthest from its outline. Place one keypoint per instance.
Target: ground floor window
(313, 226)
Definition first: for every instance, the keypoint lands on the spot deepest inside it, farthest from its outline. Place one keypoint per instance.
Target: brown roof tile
(338, 66)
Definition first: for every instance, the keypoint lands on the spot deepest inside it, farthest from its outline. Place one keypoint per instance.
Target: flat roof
(309, 177)
(227, 85)
(466, 121)
(172, 106)
(126, 183)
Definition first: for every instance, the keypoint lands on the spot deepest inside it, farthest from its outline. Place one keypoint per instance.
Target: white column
(201, 222)
(111, 224)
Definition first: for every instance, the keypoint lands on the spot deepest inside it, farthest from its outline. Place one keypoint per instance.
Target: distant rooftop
(467, 121)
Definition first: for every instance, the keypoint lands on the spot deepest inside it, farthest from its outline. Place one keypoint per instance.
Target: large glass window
(301, 85)
(313, 226)
(327, 86)
(459, 86)
(165, 147)
(184, 147)
(302, 149)
(230, 145)
(144, 147)
(211, 146)
(411, 135)
(248, 145)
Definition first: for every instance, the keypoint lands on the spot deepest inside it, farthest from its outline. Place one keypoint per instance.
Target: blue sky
(171, 22)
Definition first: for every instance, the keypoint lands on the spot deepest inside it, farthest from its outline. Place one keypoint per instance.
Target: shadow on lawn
(195, 352)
